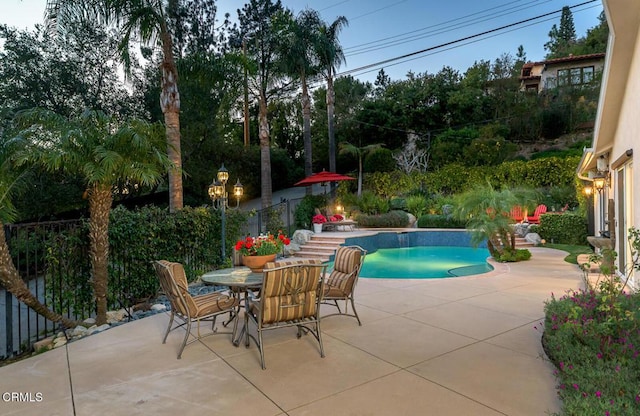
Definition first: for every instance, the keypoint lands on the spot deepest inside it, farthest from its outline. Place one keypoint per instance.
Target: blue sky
(381, 30)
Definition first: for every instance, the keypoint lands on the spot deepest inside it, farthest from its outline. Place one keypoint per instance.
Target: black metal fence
(279, 216)
(52, 258)
(49, 256)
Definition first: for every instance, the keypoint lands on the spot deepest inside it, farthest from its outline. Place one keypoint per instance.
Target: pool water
(425, 262)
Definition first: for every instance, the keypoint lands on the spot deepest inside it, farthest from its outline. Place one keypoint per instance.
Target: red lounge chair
(535, 218)
(516, 214)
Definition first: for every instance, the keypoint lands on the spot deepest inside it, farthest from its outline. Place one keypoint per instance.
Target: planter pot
(256, 263)
(317, 228)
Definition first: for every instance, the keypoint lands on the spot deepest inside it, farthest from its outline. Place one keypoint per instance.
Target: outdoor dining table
(237, 279)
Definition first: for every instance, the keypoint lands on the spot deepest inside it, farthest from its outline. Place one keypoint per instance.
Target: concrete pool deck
(457, 346)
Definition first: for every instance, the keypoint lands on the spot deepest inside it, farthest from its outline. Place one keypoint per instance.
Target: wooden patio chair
(535, 218)
(290, 296)
(188, 308)
(517, 214)
(341, 283)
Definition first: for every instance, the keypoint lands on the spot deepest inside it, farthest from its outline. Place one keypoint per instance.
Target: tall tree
(257, 29)
(107, 154)
(9, 277)
(145, 21)
(347, 148)
(562, 38)
(298, 46)
(331, 56)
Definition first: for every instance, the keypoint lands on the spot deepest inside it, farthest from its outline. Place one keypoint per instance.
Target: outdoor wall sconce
(600, 182)
(220, 199)
(588, 190)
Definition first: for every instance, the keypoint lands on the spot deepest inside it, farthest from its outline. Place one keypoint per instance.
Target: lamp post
(220, 199)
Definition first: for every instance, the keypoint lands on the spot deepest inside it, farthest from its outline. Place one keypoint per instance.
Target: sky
(434, 33)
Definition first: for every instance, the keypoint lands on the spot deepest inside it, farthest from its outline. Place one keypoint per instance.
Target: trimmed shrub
(306, 210)
(564, 228)
(392, 219)
(439, 221)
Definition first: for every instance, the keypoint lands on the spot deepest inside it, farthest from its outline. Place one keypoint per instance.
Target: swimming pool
(421, 254)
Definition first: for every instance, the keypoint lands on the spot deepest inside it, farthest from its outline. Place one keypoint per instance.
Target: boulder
(159, 307)
(533, 238)
(521, 229)
(413, 221)
(301, 237)
(115, 316)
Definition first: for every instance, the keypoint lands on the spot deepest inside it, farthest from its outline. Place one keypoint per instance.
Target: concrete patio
(459, 346)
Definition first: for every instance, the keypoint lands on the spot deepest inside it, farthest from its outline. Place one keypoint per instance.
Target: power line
(361, 72)
(453, 42)
(448, 22)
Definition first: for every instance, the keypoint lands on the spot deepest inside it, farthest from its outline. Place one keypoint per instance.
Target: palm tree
(256, 27)
(106, 154)
(486, 211)
(331, 57)
(9, 277)
(347, 148)
(300, 39)
(147, 21)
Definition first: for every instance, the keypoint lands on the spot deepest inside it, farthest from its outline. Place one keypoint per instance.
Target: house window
(575, 76)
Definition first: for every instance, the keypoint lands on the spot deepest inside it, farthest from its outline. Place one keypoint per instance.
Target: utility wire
(413, 34)
(453, 42)
(361, 71)
(434, 32)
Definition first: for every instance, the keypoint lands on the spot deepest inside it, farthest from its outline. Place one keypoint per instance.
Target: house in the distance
(568, 71)
(607, 166)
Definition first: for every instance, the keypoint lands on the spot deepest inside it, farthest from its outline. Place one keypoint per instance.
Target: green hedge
(392, 219)
(564, 228)
(439, 221)
(456, 178)
(191, 236)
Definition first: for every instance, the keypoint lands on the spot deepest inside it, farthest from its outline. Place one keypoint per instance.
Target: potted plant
(318, 220)
(257, 251)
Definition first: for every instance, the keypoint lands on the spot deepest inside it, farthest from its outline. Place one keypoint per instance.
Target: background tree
(256, 28)
(299, 37)
(109, 155)
(359, 153)
(10, 279)
(145, 21)
(563, 38)
(331, 56)
(65, 74)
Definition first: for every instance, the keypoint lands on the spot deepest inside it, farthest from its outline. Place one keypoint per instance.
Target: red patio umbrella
(323, 177)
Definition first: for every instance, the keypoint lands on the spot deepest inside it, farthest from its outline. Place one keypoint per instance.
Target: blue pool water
(425, 262)
(424, 254)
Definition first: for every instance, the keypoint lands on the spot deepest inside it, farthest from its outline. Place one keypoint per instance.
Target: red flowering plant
(319, 219)
(262, 245)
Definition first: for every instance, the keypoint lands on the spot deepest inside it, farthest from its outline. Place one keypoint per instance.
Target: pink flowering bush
(593, 338)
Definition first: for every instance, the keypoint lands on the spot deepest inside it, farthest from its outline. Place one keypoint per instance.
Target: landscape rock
(115, 316)
(46, 343)
(413, 221)
(158, 307)
(533, 238)
(521, 229)
(95, 329)
(59, 342)
(301, 237)
(79, 331)
(89, 321)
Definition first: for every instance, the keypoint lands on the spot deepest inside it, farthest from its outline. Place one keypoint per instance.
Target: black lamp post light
(220, 198)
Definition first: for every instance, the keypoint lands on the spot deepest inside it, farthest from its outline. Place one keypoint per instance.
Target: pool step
(319, 247)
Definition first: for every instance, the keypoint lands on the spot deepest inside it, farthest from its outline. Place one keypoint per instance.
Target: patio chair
(290, 296)
(535, 218)
(341, 283)
(517, 214)
(188, 308)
